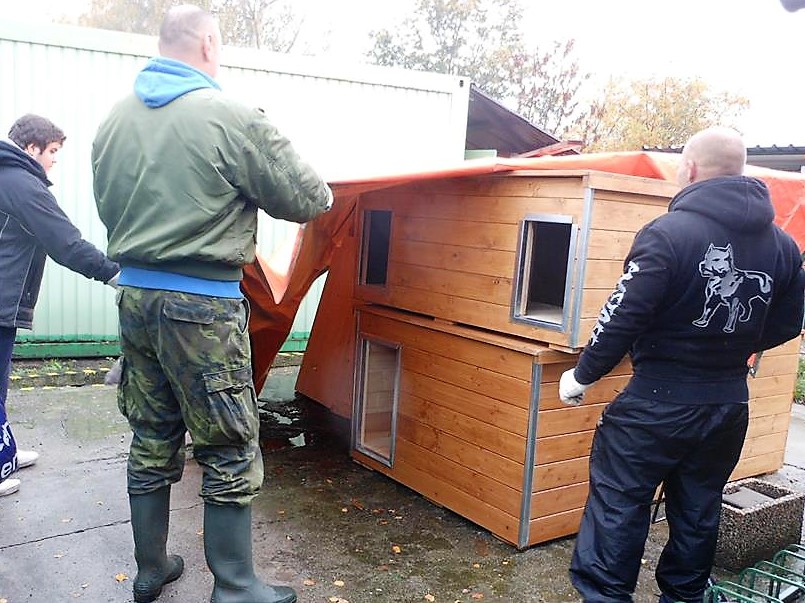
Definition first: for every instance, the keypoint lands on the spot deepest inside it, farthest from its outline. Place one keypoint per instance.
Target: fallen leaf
(396, 550)
(309, 582)
(358, 505)
(383, 522)
(338, 582)
(383, 568)
(477, 596)
(121, 577)
(430, 598)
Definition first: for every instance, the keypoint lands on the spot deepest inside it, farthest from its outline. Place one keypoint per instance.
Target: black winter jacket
(704, 286)
(33, 226)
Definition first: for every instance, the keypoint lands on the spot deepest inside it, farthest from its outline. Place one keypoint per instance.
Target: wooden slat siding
(465, 454)
(469, 376)
(570, 419)
(771, 405)
(612, 245)
(620, 216)
(489, 262)
(477, 406)
(602, 391)
(472, 208)
(778, 423)
(559, 500)
(461, 233)
(602, 274)
(662, 191)
(469, 312)
(561, 473)
(490, 289)
(525, 346)
(764, 444)
(499, 523)
(778, 364)
(490, 437)
(563, 447)
(552, 372)
(758, 465)
(452, 347)
(552, 527)
(467, 479)
(761, 387)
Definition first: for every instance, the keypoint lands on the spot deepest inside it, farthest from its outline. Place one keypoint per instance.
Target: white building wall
(346, 120)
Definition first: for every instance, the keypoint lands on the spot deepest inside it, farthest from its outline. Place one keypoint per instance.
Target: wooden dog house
(452, 307)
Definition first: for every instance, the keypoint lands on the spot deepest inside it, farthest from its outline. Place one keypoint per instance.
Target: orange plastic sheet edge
(276, 286)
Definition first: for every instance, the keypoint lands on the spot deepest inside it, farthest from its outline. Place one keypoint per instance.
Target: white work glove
(571, 392)
(112, 282)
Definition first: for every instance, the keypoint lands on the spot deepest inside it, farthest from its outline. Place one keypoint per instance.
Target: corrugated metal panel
(345, 120)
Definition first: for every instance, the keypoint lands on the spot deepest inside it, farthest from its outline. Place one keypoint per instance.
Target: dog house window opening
(380, 377)
(375, 252)
(544, 266)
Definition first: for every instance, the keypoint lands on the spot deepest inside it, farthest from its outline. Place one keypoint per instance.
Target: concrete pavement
(324, 525)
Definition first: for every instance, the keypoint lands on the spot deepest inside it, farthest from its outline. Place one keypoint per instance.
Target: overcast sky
(749, 47)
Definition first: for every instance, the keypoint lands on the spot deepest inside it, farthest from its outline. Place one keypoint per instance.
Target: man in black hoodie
(704, 287)
(32, 226)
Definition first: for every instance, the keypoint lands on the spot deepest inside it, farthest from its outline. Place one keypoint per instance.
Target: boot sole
(148, 595)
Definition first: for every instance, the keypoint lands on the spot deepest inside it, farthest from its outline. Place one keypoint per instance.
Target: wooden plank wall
(616, 218)
(454, 246)
(564, 437)
(462, 422)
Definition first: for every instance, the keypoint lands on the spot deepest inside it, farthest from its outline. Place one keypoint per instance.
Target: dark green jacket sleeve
(273, 176)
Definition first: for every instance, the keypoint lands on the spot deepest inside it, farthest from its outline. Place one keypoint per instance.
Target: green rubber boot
(149, 523)
(228, 548)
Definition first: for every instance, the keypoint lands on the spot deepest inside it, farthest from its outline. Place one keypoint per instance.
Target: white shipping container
(346, 120)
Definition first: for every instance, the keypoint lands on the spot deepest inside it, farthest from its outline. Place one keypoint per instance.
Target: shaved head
(712, 153)
(191, 35)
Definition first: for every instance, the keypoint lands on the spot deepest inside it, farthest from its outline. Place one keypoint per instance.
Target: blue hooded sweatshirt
(164, 80)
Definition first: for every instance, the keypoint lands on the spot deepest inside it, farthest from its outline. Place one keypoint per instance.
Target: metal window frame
(359, 398)
(522, 261)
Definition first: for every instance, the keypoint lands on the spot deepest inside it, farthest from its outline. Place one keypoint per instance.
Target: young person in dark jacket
(32, 226)
(704, 287)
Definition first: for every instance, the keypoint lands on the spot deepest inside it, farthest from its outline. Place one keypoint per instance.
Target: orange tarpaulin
(276, 287)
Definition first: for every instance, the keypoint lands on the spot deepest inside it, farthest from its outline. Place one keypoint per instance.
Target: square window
(377, 400)
(375, 249)
(544, 264)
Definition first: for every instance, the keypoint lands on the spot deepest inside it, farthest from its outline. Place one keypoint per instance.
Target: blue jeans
(8, 447)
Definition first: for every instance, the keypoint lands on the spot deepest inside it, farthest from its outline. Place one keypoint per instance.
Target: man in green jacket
(179, 174)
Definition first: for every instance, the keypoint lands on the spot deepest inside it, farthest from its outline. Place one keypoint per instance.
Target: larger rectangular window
(544, 265)
(377, 400)
(375, 247)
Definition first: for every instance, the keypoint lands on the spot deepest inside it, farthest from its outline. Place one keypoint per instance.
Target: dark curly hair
(35, 130)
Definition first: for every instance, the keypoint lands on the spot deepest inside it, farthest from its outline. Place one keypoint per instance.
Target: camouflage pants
(187, 367)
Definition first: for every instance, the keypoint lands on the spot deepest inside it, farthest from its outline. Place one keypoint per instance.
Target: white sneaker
(9, 486)
(26, 458)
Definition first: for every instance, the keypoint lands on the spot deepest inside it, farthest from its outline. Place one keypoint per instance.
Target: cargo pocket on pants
(232, 406)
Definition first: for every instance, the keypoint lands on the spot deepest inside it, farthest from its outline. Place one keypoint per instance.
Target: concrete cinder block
(771, 521)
